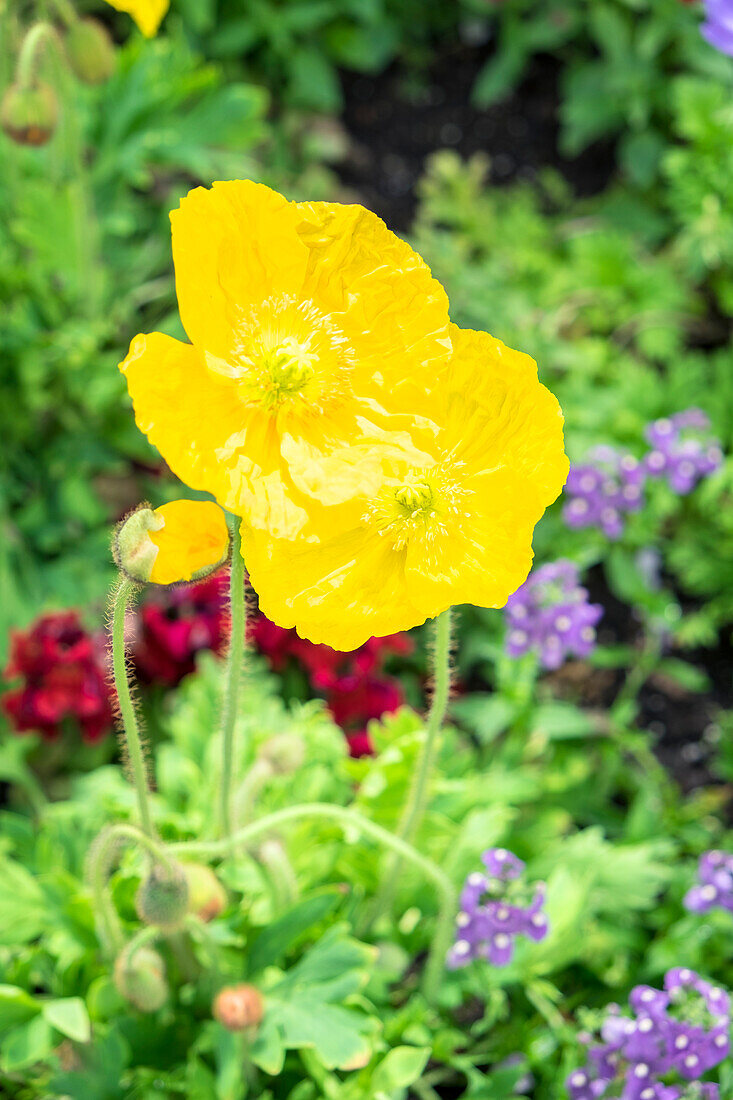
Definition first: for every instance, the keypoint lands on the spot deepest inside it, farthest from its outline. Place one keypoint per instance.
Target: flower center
(423, 505)
(288, 354)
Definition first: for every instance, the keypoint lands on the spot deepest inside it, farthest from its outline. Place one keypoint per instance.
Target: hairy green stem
(235, 658)
(280, 872)
(66, 11)
(417, 799)
(349, 819)
(135, 753)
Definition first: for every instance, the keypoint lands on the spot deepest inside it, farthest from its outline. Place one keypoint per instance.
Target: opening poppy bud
(29, 114)
(238, 1007)
(162, 898)
(181, 541)
(90, 51)
(140, 978)
(206, 895)
(285, 752)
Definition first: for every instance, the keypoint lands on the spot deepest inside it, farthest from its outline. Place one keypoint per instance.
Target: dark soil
(394, 125)
(684, 723)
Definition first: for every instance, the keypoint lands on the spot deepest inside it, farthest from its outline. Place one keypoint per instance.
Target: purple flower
(495, 909)
(677, 1033)
(683, 451)
(550, 615)
(715, 885)
(718, 25)
(603, 490)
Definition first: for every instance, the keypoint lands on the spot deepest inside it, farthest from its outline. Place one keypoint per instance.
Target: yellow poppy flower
(455, 530)
(148, 14)
(180, 541)
(309, 324)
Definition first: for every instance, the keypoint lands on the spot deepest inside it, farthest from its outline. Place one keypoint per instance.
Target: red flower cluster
(353, 684)
(174, 624)
(65, 677)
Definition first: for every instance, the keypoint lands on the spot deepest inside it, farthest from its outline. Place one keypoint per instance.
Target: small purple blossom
(496, 908)
(680, 1032)
(603, 489)
(718, 25)
(682, 450)
(715, 884)
(550, 615)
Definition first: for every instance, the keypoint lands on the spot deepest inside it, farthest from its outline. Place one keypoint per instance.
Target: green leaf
(16, 1007)
(69, 1016)
(314, 83)
(24, 1045)
(686, 675)
(399, 1068)
(23, 908)
(273, 943)
(485, 715)
(562, 722)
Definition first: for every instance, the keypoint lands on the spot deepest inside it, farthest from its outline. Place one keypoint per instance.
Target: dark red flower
(174, 624)
(65, 674)
(360, 744)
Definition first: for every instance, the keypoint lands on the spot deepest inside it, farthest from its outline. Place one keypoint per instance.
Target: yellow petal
(148, 14)
(383, 293)
(193, 539)
(208, 438)
(234, 245)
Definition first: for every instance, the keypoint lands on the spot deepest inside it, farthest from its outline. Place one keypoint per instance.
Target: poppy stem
(440, 942)
(133, 743)
(235, 654)
(417, 799)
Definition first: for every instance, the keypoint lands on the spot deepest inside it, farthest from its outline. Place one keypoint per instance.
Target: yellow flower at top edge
(456, 529)
(180, 541)
(310, 325)
(148, 14)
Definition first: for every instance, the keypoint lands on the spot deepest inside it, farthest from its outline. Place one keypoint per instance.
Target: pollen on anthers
(288, 353)
(424, 505)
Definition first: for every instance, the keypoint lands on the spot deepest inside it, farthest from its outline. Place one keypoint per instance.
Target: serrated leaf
(273, 943)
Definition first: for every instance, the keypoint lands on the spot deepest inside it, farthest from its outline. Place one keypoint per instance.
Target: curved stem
(233, 682)
(417, 799)
(30, 51)
(98, 865)
(348, 818)
(135, 753)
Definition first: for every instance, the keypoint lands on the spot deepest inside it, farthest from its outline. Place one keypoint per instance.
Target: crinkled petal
(194, 537)
(386, 300)
(340, 592)
(208, 438)
(234, 245)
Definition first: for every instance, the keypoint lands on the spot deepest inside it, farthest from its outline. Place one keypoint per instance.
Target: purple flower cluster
(550, 616)
(718, 25)
(679, 1033)
(609, 485)
(603, 489)
(715, 886)
(682, 451)
(496, 907)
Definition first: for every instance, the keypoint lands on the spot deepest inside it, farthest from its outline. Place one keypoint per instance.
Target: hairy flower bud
(90, 51)
(206, 895)
(238, 1007)
(140, 978)
(29, 114)
(162, 898)
(181, 541)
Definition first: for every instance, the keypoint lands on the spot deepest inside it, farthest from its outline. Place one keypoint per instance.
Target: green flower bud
(29, 115)
(206, 895)
(140, 978)
(162, 898)
(132, 548)
(90, 51)
(239, 1007)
